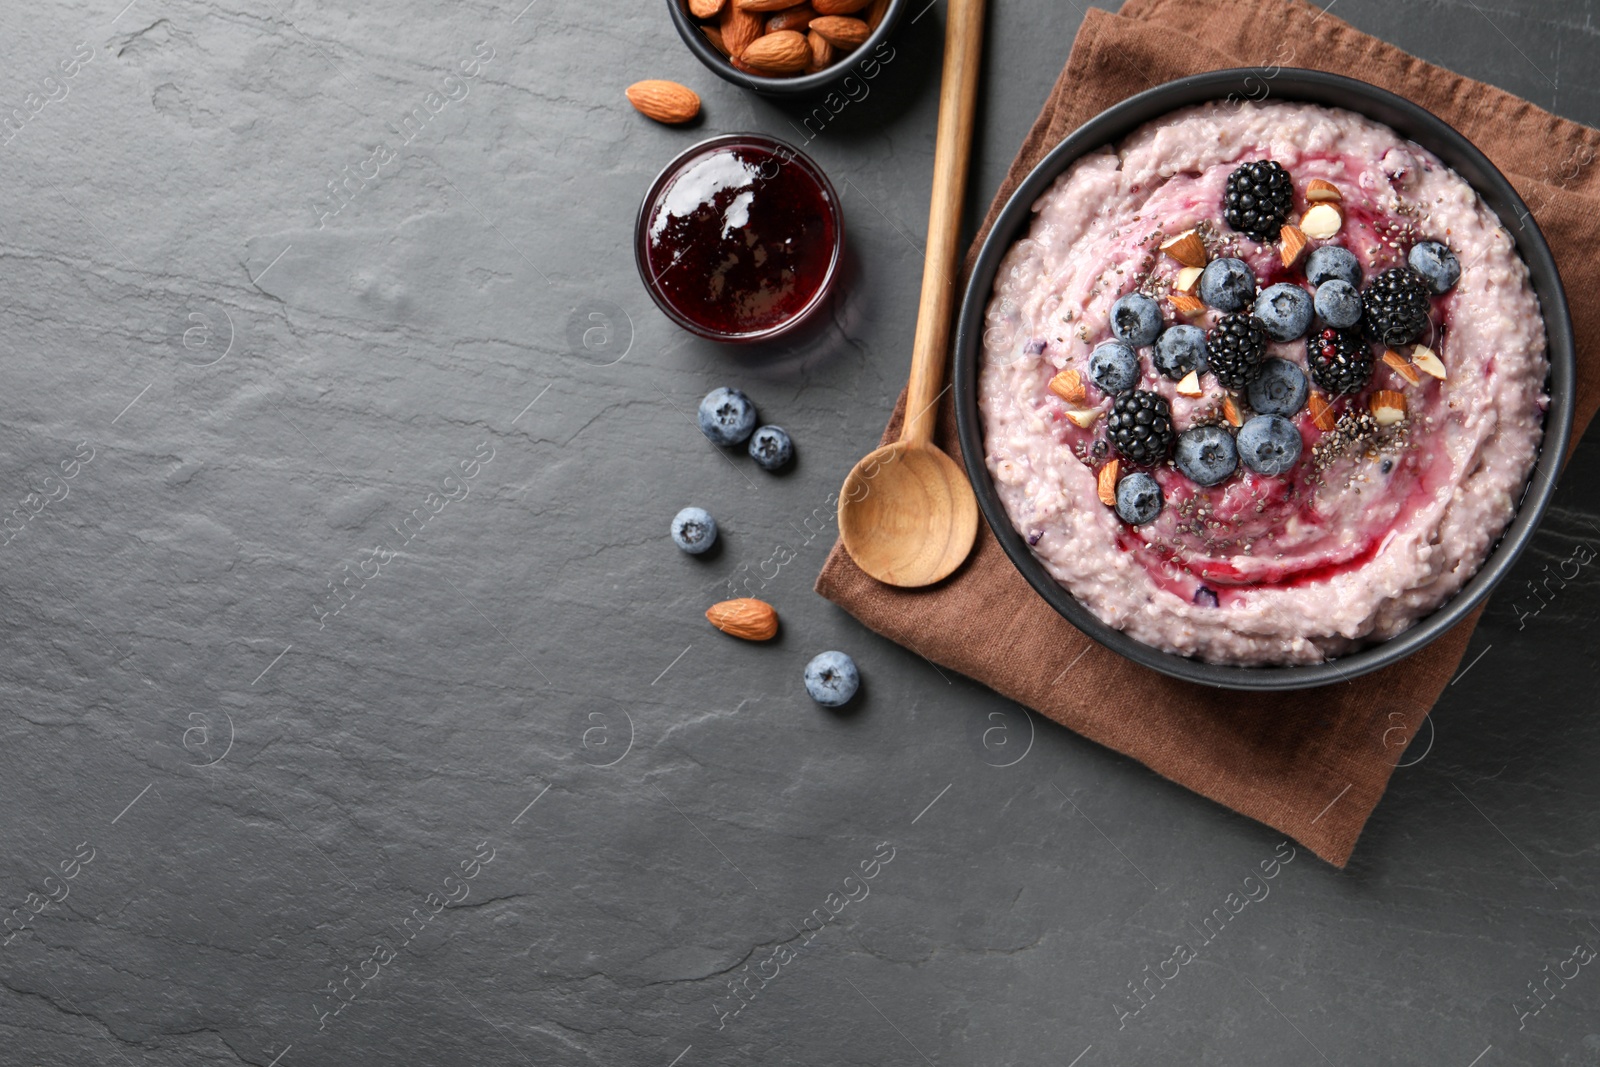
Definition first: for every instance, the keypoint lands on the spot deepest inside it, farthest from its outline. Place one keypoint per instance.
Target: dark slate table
(498, 795)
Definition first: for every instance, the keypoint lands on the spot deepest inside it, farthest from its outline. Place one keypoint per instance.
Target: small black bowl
(1410, 121)
(857, 62)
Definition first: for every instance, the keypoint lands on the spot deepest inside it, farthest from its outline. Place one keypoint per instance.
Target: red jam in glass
(739, 238)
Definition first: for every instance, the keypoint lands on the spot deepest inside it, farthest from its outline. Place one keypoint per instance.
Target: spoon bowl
(907, 514)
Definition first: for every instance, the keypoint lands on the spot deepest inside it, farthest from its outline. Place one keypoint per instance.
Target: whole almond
(705, 9)
(764, 6)
(739, 28)
(714, 35)
(839, 7)
(876, 12)
(796, 18)
(664, 101)
(746, 618)
(841, 32)
(821, 53)
(784, 52)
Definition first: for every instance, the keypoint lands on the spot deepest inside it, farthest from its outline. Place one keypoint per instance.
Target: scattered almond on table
(746, 618)
(664, 101)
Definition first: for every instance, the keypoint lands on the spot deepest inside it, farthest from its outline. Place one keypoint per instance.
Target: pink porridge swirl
(1385, 515)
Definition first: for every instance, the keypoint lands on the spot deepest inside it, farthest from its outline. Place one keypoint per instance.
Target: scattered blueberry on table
(832, 679)
(727, 416)
(694, 530)
(771, 448)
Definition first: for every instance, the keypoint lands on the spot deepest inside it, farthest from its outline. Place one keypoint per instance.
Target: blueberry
(694, 530)
(771, 448)
(1206, 597)
(1227, 284)
(1139, 499)
(1206, 454)
(1114, 366)
(1269, 444)
(1331, 261)
(1339, 303)
(726, 416)
(1438, 265)
(1179, 350)
(1284, 311)
(1136, 319)
(832, 679)
(1279, 388)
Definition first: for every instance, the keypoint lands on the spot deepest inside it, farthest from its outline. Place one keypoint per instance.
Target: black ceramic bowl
(1410, 121)
(864, 63)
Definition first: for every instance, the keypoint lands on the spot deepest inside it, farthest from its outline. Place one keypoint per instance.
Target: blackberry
(1396, 306)
(1140, 426)
(1234, 347)
(1341, 360)
(1258, 199)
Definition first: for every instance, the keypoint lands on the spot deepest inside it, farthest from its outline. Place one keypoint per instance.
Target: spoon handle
(963, 45)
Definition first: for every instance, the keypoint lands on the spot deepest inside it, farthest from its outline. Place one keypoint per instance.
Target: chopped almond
(1397, 363)
(1388, 407)
(1188, 278)
(1291, 243)
(1068, 385)
(1083, 418)
(1186, 305)
(1106, 482)
(1187, 248)
(1321, 412)
(1428, 361)
(1322, 221)
(1319, 191)
(1230, 411)
(1190, 385)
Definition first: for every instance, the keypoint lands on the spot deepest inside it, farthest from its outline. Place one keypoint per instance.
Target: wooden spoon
(907, 513)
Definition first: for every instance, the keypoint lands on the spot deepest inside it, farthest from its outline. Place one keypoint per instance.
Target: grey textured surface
(270, 793)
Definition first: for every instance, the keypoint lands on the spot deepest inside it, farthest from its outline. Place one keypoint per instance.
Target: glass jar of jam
(739, 238)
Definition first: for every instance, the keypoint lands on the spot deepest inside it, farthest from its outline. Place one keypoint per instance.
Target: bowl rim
(1412, 122)
(779, 148)
(805, 84)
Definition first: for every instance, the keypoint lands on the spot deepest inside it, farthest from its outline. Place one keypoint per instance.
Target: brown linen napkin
(1312, 764)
